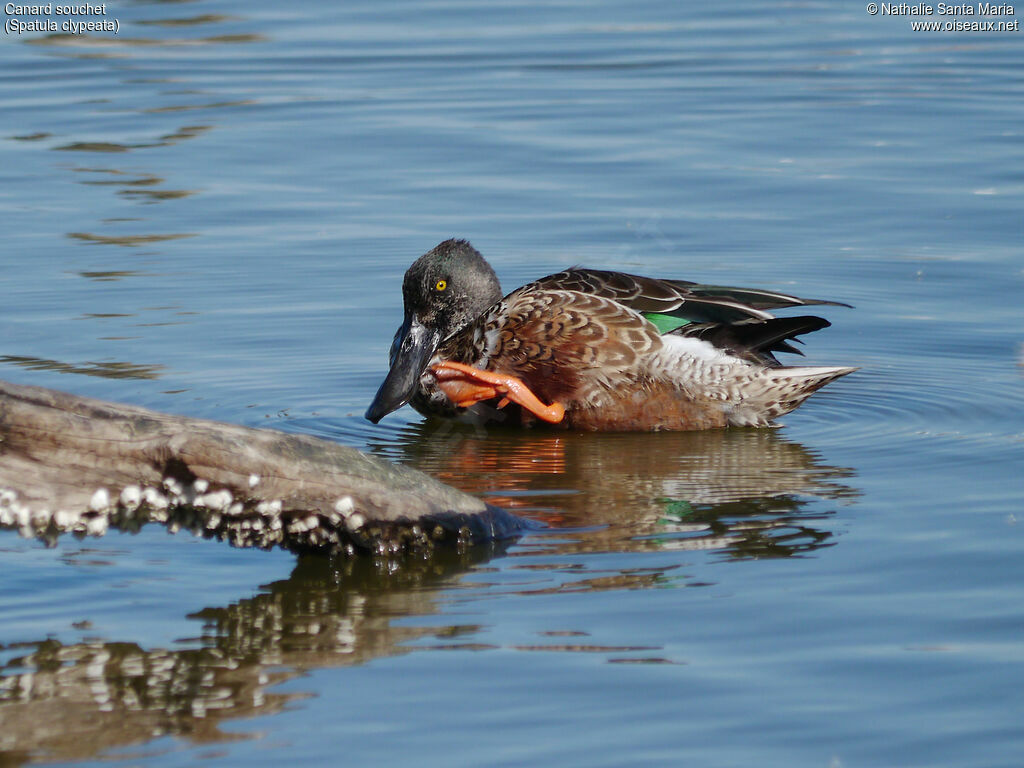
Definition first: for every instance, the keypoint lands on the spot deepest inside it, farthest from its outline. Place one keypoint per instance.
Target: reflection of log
(69, 463)
(77, 701)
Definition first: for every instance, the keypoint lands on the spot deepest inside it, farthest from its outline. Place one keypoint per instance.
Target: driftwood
(74, 464)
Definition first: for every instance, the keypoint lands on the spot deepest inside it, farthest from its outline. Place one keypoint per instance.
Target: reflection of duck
(77, 701)
(609, 351)
(730, 486)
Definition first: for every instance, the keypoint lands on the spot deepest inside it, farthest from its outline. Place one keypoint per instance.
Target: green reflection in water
(189, 107)
(206, 18)
(106, 369)
(32, 136)
(114, 147)
(186, 132)
(133, 181)
(140, 181)
(100, 146)
(107, 276)
(127, 240)
(157, 195)
(86, 40)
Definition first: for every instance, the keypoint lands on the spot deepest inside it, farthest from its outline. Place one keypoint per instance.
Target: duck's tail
(782, 390)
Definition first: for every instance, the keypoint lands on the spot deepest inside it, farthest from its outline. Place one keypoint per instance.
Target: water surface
(210, 213)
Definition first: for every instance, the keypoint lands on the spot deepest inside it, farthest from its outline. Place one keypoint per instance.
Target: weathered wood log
(74, 464)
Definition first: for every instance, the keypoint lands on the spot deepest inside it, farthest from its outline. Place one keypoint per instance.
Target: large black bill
(415, 345)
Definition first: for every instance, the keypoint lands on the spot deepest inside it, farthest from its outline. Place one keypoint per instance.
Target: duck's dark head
(444, 290)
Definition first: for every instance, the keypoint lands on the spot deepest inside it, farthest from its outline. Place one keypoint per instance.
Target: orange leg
(466, 385)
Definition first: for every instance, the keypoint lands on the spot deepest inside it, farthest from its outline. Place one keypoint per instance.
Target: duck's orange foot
(465, 385)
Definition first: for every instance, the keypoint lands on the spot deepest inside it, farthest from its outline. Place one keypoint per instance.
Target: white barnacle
(355, 522)
(212, 521)
(21, 517)
(254, 480)
(7, 497)
(131, 497)
(41, 518)
(217, 499)
(343, 509)
(65, 518)
(100, 500)
(154, 498)
(269, 508)
(236, 509)
(200, 485)
(96, 526)
(173, 486)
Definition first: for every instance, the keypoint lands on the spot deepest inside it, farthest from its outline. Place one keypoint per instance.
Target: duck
(593, 350)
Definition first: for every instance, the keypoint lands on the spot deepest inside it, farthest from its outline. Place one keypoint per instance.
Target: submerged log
(74, 464)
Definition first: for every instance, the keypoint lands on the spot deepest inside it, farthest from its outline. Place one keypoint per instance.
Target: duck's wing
(735, 320)
(755, 340)
(672, 303)
(560, 343)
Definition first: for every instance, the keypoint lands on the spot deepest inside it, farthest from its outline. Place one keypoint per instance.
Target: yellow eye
(441, 285)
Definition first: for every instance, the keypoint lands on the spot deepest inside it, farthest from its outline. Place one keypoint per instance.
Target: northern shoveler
(592, 350)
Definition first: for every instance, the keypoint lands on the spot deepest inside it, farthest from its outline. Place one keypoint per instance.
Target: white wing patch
(684, 350)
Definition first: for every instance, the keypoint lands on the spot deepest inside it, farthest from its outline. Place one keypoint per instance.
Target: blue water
(211, 217)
